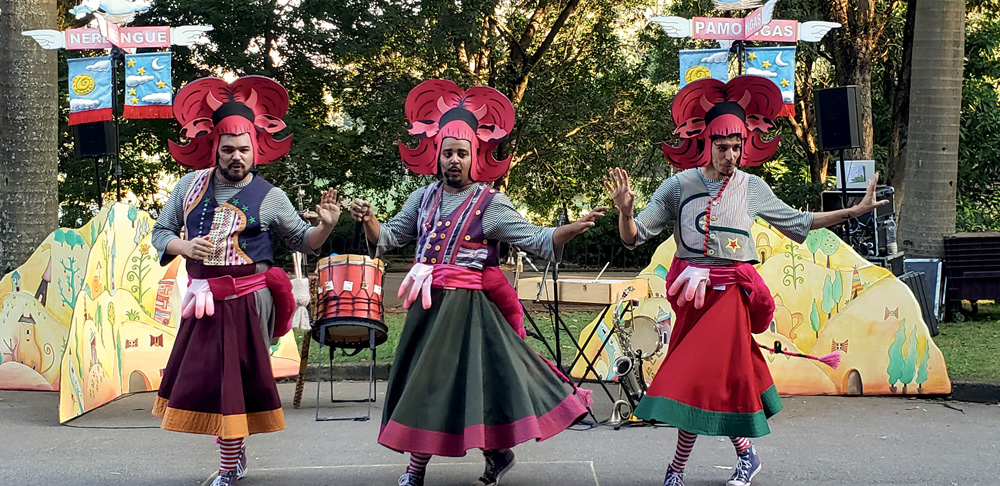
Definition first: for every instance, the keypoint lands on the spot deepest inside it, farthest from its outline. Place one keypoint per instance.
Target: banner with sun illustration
(828, 299)
(778, 65)
(704, 63)
(89, 89)
(92, 314)
(148, 90)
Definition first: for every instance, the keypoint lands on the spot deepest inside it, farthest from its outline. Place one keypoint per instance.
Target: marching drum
(349, 304)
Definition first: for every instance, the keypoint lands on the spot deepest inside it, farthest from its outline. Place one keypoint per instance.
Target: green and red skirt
(463, 379)
(714, 379)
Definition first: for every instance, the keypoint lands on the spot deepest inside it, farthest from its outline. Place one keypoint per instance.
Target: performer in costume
(462, 377)
(714, 379)
(220, 217)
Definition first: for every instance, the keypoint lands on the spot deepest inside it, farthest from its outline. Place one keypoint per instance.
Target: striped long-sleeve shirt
(500, 222)
(761, 201)
(276, 214)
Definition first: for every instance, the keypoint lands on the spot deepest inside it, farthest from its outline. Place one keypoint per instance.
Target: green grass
(972, 348)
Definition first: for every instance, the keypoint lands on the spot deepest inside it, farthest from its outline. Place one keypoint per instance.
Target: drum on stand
(349, 304)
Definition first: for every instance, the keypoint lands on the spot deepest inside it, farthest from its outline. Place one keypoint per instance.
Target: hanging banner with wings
(89, 89)
(148, 91)
(778, 65)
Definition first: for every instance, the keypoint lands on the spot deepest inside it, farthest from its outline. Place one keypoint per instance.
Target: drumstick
(832, 360)
(303, 368)
(602, 271)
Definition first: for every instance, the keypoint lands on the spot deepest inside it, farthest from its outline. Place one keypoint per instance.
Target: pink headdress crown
(209, 107)
(439, 109)
(745, 106)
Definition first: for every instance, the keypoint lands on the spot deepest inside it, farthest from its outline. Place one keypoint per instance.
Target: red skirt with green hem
(463, 379)
(714, 379)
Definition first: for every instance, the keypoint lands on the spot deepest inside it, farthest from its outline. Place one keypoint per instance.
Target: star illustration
(131, 63)
(142, 70)
(235, 201)
(245, 208)
(733, 244)
(134, 100)
(160, 84)
(766, 64)
(784, 83)
(752, 56)
(252, 220)
(132, 92)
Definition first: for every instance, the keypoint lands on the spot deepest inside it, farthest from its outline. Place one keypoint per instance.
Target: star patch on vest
(734, 244)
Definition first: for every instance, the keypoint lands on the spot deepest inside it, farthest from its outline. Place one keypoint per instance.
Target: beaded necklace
(708, 212)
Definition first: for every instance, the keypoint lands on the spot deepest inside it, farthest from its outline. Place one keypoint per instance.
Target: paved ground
(815, 441)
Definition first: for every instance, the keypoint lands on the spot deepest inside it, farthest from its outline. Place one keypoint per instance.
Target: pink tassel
(832, 359)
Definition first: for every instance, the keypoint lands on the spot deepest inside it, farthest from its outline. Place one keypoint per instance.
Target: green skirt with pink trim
(463, 379)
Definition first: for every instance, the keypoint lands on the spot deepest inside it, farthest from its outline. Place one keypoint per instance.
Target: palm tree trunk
(927, 212)
(29, 192)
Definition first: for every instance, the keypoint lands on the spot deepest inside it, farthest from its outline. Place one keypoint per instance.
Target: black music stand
(372, 343)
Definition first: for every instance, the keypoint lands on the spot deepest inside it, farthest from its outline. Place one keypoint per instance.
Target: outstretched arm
(867, 205)
(329, 212)
(623, 196)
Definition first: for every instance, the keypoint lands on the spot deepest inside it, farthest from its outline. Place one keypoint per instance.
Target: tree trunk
(896, 170)
(927, 212)
(853, 44)
(29, 193)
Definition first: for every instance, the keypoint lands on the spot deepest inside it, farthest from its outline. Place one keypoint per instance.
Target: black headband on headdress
(231, 108)
(461, 114)
(725, 108)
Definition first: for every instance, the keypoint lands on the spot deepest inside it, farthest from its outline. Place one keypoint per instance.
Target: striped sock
(229, 450)
(418, 464)
(685, 442)
(742, 444)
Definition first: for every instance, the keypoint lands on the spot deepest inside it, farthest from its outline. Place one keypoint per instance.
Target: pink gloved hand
(420, 277)
(198, 300)
(695, 280)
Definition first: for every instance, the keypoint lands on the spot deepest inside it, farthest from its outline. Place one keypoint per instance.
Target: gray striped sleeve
(661, 210)
(402, 228)
(171, 220)
(277, 214)
(762, 202)
(502, 222)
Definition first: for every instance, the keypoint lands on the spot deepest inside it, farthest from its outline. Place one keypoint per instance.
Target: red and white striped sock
(685, 442)
(229, 450)
(742, 444)
(418, 464)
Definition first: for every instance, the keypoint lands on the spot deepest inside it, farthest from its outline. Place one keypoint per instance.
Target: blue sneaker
(227, 479)
(408, 479)
(673, 478)
(241, 463)
(747, 466)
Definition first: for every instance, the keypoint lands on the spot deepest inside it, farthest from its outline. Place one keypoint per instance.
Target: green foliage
(827, 302)
(896, 361)
(814, 318)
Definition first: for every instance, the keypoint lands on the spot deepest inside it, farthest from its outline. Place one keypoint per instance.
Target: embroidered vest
(727, 231)
(232, 226)
(457, 238)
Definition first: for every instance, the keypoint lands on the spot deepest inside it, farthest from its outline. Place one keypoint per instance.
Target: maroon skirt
(218, 380)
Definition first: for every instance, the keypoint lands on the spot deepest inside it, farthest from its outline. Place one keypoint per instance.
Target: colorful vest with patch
(457, 238)
(232, 226)
(723, 234)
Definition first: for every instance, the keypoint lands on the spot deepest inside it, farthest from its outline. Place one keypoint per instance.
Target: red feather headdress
(439, 109)
(209, 107)
(744, 106)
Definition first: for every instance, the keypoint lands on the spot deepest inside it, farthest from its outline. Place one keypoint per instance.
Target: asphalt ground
(814, 440)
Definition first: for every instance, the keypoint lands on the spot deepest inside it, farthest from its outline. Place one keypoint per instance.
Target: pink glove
(696, 280)
(421, 278)
(198, 300)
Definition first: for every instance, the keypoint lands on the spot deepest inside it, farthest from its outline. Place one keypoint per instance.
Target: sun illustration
(83, 84)
(696, 73)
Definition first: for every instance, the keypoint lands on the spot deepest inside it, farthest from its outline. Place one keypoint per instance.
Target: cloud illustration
(99, 66)
(157, 99)
(137, 80)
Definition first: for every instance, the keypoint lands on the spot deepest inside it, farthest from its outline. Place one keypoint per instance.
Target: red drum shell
(349, 304)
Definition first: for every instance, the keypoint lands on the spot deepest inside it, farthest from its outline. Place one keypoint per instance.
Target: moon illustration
(696, 73)
(157, 67)
(778, 61)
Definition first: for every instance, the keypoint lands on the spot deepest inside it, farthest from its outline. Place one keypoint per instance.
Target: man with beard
(218, 378)
(714, 380)
(463, 378)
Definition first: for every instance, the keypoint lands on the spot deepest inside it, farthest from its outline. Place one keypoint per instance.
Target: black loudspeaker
(94, 139)
(837, 118)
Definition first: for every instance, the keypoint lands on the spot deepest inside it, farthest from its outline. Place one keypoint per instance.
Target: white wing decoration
(187, 35)
(814, 31)
(674, 26)
(48, 39)
(768, 11)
